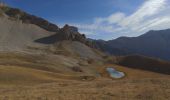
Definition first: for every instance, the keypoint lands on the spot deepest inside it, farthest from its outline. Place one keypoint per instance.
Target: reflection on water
(114, 73)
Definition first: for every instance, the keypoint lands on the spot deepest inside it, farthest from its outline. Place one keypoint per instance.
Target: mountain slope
(16, 35)
(144, 63)
(17, 14)
(66, 45)
(40, 63)
(65, 53)
(153, 44)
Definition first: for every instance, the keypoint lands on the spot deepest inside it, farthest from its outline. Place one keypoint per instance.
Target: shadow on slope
(145, 63)
(47, 40)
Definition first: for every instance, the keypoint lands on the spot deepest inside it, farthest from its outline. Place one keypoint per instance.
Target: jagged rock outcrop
(17, 14)
(65, 33)
(71, 33)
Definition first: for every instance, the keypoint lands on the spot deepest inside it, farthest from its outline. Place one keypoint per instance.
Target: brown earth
(22, 77)
(69, 70)
(28, 84)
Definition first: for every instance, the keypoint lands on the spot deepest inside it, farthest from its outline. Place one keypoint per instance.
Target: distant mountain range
(45, 46)
(153, 44)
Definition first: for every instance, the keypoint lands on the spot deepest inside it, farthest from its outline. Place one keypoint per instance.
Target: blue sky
(102, 19)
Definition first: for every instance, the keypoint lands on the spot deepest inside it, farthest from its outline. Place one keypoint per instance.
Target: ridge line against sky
(102, 19)
(151, 15)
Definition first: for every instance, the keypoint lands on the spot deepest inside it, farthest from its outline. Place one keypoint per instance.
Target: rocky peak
(71, 33)
(66, 33)
(70, 28)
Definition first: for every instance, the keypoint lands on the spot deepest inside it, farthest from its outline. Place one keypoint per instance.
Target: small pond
(114, 73)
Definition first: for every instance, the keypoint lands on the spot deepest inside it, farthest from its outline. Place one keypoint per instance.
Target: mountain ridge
(66, 44)
(153, 44)
(17, 14)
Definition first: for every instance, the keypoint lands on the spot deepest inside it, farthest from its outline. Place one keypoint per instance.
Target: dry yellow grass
(23, 78)
(19, 83)
(139, 89)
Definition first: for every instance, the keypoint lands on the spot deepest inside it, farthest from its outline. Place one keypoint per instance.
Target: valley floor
(41, 85)
(140, 89)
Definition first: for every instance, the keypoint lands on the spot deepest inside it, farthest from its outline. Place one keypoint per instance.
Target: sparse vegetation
(77, 69)
(5, 8)
(90, 61)
(110, 59)
(67, 69)
(68, 90)
(145, 63)
(1, 13)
